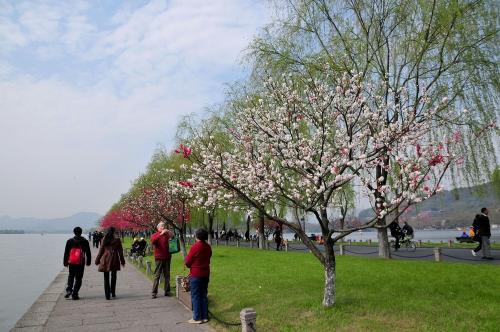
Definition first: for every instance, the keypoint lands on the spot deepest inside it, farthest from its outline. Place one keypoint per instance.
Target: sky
(88, 89)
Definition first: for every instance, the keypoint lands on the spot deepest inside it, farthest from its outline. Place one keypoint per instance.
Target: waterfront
(29, 264)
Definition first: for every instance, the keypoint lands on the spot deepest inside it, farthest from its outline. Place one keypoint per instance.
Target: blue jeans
(199, 297)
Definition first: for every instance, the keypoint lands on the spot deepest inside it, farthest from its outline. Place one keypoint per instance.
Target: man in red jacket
(159, 240)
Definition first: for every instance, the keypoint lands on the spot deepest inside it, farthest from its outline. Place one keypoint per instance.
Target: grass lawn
(286, 290)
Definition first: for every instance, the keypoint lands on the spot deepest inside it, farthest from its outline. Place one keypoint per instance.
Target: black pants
(398, 238)
(162, 269)
(109, 289)
(75, 278)
(479, 246)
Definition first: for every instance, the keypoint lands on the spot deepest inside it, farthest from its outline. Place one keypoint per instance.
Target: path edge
(35, 318)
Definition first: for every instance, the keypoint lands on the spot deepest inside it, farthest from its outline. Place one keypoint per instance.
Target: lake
(30, 262)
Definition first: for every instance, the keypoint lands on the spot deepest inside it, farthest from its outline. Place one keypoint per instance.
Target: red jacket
(160, 245)
(198, 259)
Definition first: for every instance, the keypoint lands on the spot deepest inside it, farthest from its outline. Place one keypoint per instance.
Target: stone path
(131, 310)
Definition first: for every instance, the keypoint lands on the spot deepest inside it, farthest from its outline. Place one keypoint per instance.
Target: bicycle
(407, 243)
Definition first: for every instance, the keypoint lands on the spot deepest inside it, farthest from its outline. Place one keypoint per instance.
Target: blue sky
(89, 88)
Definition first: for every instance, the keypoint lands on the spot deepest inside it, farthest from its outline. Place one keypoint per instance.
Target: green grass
(286, 290)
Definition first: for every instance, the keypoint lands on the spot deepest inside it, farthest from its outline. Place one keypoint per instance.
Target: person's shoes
(153, 296)
(108, 298)
(68, 294)
(75, 297)
(204, 320)
(168, 294)
(473, 253)
(113, 295)
(192, 321)
(484, 257)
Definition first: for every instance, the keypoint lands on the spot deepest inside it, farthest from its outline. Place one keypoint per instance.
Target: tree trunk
(383, 243)
(329, 292)
(182, 240)
(262, 237)
(210, 226)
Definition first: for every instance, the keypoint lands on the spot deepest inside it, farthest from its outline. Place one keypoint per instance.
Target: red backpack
(75, 256)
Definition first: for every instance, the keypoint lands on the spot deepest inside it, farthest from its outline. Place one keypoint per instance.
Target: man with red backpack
(76, 254)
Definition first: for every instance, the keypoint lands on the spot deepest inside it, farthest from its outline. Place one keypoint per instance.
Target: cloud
(88, 91)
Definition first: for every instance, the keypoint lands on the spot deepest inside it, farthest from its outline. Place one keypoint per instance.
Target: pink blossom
(186, 151)
(436, 160)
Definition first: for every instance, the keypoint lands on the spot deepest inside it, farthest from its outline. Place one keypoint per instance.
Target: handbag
(174, 245)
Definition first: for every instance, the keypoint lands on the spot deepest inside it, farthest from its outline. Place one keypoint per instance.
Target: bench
(464, 239)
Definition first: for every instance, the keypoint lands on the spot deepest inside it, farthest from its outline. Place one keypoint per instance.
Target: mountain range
(85, 220)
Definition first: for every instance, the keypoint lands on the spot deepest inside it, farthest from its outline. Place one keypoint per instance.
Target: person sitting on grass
(464, 235)
(198, 262)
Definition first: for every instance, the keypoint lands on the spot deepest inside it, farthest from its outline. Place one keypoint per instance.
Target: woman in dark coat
(109, 258)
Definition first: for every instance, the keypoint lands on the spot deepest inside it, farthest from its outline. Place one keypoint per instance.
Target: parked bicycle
(407, 243)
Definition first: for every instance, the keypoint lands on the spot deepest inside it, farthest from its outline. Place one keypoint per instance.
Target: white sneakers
(192, 321)
(474, 253)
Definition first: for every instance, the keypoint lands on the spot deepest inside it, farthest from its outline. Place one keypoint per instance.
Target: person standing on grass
(109, 258)
(198, 262)
(482, 229)
(159, 240)
(76, 251)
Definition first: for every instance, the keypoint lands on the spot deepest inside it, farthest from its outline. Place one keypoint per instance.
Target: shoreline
(35, 318)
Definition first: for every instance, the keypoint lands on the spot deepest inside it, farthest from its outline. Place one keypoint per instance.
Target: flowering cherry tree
(300, 142)
(162, 193)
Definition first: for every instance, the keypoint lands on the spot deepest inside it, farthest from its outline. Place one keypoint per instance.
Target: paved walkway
(131, 310)
(421, 253)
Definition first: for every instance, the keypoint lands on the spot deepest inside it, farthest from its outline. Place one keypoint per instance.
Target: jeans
(109, 289)
(75, 277)
(162, 269)
(199, 297)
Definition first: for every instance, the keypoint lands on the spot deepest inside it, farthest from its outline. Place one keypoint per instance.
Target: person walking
(483, 231)
(159, 241)
(109, 258)
(198, 262)
(77, 250)
(277, 238)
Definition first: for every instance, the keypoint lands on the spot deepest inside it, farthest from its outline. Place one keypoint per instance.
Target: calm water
(29, 263)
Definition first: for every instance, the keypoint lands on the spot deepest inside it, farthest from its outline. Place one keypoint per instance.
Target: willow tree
(434, 49)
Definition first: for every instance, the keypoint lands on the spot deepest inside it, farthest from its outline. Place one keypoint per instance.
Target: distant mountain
(85, 220)
(451, 208)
